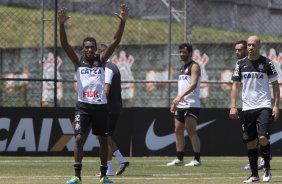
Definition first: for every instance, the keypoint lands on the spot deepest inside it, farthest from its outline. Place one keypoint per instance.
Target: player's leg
(113, 148)
(180, 139)
(191, 121)
(100, 129)
(250, 139)
(265, 120)
(103, 154)
(122, 161)
(80, 125)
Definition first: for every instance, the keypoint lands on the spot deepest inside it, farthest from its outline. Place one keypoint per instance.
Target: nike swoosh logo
(275, 137)
(154, 142)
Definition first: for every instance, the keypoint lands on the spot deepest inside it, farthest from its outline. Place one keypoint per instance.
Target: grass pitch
(142, 170)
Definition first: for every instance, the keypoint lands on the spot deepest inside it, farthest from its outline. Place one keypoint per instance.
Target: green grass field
(142, 170)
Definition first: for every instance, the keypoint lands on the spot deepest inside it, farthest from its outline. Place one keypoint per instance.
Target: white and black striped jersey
(90, 81)
(255, 77)
(184, 82)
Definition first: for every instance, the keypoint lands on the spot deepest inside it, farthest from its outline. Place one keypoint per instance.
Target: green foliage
(21, 27)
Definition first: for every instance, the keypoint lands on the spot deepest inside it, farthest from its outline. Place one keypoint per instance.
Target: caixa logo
(91, 71)
(253, 75)
(25, 136)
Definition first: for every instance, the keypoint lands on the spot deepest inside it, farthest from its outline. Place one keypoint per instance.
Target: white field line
(121, 178)
(97, 160)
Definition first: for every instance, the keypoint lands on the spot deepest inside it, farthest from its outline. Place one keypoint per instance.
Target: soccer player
(186, 107)
(91, 108)
(241, 49)
(113, 92)
(241, 52)
(255, 72)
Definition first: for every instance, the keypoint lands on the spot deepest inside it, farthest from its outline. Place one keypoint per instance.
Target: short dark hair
(188, 47)
(243, 42)
(90, 39)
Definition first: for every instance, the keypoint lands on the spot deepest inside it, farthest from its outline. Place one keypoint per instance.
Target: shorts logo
(77, 122)
(77, 118)
(77, 125)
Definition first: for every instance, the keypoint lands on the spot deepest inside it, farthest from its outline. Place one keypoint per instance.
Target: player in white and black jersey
(186, 107)
(91, 108)
(255, 72)
(113, 91)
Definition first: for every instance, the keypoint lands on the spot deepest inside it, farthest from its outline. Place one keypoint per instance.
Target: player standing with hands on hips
(255, 72)
(91, 109)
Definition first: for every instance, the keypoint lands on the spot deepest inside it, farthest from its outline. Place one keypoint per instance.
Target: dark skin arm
(123, 15)
(62, 18)
(107, 88)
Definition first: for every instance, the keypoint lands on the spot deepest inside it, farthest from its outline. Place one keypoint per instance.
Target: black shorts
(113, 119)
(256, 122)
(181, 113)
(93, 116)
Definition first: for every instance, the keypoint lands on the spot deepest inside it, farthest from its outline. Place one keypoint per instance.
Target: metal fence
(147, 56)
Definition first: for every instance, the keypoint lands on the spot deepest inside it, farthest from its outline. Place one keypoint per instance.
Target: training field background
(151, 170)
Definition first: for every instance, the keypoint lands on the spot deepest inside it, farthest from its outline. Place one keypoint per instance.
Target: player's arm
(108, 80)
(233, 114)
(195, 77)
(62, 18)
(276, 95)
(123, 15)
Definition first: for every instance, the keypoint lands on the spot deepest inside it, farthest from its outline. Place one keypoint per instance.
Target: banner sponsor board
(140, 132)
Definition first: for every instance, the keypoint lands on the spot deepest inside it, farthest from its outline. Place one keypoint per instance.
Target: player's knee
(252, 144)
(263, 140)
(79, 138)
(103, 140)
(178, 131)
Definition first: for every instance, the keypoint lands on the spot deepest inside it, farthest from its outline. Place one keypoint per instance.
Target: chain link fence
(147, 56)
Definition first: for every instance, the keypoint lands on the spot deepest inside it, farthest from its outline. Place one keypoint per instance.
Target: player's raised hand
(123, 15)
(62, 15)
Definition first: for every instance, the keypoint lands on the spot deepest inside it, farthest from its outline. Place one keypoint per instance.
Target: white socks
(110, 167)
(119, 157)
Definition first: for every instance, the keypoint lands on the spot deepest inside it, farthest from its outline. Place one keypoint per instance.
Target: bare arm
(62, 18)
(107, 88)
(233, 114)
(276, 95)
(123, 15)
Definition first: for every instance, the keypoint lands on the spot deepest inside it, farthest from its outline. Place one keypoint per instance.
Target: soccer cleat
(194, 163)
(176, 162)
(121, 168)
(74, 180)
(266, 175)
(105, 180)
(246, 167)
(251, 179)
